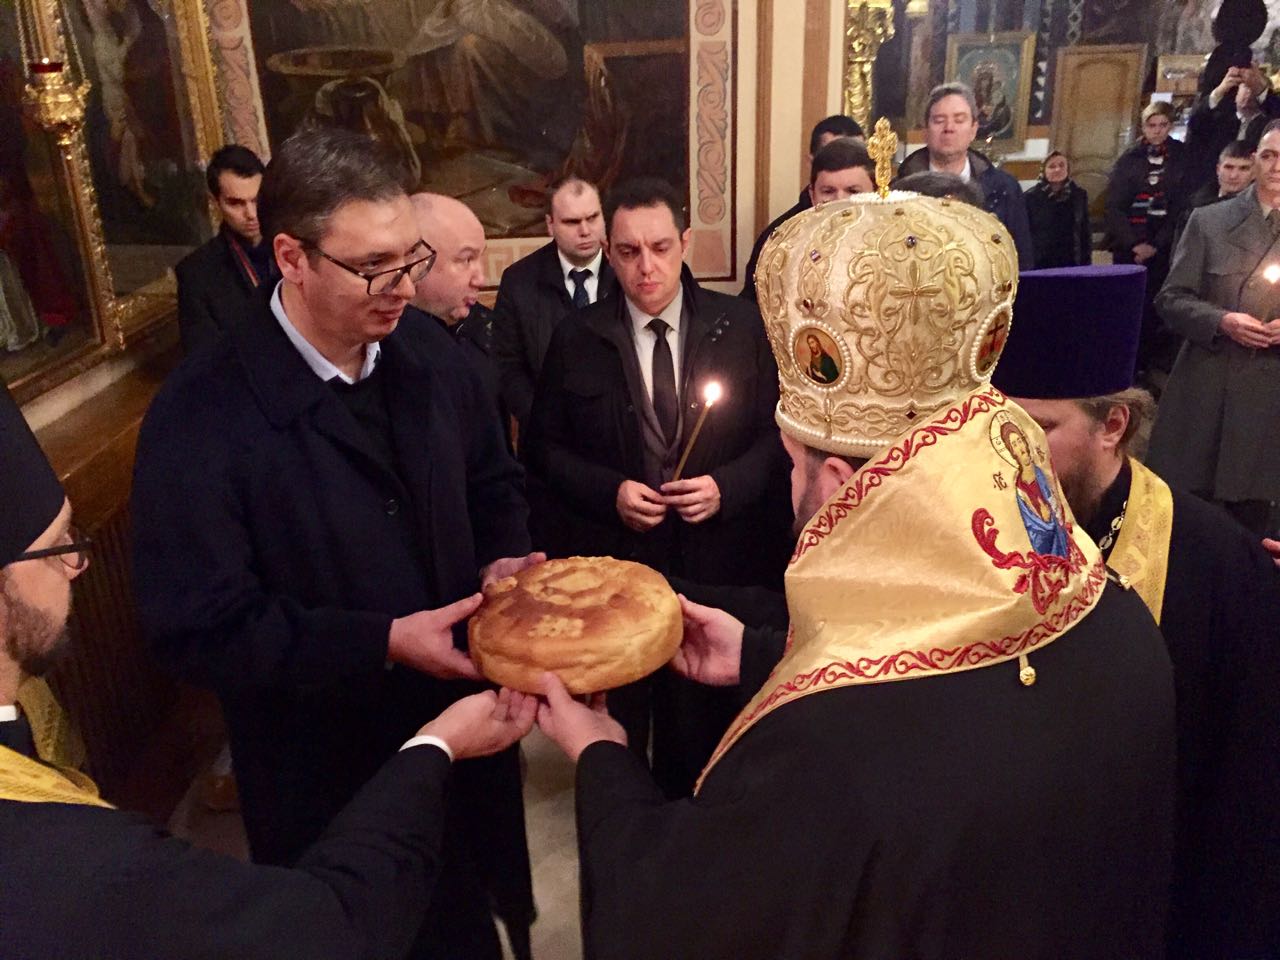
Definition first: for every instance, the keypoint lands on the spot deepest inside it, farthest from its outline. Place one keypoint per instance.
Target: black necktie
(665, 404)
(580, 296)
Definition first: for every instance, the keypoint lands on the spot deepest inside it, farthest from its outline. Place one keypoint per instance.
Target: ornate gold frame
(868, 24)
(56, 102)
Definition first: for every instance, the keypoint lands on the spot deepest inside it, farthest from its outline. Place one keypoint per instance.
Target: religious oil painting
(1038, 503)
(44, 315)
(998, 67)
(817, 355)
(142, 149)
(490, 101)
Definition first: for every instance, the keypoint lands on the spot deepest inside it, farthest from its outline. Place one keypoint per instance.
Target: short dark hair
(944, 186)
(645, 192)
(1237, 150)
(559, 183)
(232, 158)
(838, 125)
(842, 154)
(954, 89)
(315, 172)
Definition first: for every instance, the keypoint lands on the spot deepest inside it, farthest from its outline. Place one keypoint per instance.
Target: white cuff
(429, 741)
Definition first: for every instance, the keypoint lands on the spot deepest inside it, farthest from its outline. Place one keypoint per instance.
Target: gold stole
(56, 780)
(1141, 553)
(923, 564)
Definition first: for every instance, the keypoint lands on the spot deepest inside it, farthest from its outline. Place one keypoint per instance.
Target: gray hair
(953, 89)
(315, 172)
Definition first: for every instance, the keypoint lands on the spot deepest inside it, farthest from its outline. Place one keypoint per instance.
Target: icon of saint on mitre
(1038, 505)
(817, 355)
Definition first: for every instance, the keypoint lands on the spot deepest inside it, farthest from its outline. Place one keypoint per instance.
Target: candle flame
(711, 392)
(1272, 273)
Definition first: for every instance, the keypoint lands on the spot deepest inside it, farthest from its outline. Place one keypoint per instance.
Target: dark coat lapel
(286, 389)
(549, 276)
(1249, 229)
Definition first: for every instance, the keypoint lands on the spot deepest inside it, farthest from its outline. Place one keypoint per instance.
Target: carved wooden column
(868, 24)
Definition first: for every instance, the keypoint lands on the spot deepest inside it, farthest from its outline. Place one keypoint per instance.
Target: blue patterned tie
(579, 278)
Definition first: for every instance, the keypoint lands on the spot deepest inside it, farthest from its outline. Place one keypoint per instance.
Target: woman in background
(1058, 209)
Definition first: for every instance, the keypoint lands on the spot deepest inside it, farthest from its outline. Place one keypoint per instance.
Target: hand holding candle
(710, 394)
(697, 498)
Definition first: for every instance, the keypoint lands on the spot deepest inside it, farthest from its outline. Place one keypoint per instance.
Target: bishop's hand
(711, 652)
(574, 726)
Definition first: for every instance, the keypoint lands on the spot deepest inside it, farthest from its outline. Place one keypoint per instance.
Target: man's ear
(549, 233)
(835, 473)
(290, 256)
(1114, 426)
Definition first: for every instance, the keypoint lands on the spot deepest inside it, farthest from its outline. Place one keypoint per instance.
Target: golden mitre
(881, 311)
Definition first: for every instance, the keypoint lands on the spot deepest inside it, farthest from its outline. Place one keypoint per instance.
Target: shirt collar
(641, 320)
(8, 712)
(593, 266)
(318, 363)
(966, 174)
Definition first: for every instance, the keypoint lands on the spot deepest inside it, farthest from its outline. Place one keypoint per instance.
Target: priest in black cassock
(79, 879)
(1207, 581)
(967, 747)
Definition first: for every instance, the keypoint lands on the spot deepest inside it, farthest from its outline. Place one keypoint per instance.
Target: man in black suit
(621, 388)
(217, 282)
(538, 290)
(84, 880)
(309, 493)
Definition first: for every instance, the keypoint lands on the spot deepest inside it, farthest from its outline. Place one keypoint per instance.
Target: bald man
(452, 286)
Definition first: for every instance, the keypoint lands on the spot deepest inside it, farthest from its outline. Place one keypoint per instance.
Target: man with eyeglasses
(80, 879)
(317, 501)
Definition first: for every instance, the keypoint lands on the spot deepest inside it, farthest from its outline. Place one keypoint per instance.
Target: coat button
(392, 506)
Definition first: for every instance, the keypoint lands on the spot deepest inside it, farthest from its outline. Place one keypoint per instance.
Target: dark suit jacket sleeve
(509, 352)
(495, 482)
(1179, 301)
(200, 601)
(744, 480)
(196, 325)
(1119, 196)
(358, 892)
(591, 488)
(1019, 225)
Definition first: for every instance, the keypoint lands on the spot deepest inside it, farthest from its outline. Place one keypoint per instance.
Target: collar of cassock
(51, 775)
(953, 551)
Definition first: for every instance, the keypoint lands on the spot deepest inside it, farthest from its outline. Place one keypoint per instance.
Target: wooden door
(1096, 97)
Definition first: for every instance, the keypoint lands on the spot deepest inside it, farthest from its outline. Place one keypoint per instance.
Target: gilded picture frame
(998, 67)
(86, 92)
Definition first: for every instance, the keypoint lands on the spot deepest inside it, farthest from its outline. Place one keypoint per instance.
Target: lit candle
(1271, 275)
(710, 394)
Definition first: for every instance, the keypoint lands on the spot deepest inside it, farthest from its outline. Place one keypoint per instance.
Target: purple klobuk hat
(1075, 333)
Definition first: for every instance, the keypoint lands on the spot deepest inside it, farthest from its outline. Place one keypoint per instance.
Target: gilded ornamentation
(882, 147)
(868, 24)
(56, 105)
(913, 296)
(713, 131)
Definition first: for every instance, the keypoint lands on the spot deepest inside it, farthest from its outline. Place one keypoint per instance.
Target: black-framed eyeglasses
(384, 281)
(74, 554)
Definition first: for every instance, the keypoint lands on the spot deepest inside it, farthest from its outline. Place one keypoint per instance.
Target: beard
(810, 502)
(34, 639)
(1083, 493)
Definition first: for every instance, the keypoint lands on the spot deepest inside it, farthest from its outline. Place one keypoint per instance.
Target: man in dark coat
(622, 386)
(1210, 436)
(835, 127)
(1207, 581)
(1233, 112)
(218, 282)
(951, 123)
(536, 291)
(79, 879)
(306, 494)
(1233, 173)
(945, 725)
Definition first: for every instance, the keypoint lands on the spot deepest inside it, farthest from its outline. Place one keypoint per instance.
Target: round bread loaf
(597, 622)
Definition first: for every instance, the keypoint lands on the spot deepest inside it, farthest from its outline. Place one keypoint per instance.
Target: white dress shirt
(645, 340)
(428, 741)
(592, 283)
(8, 712)
(318, 363)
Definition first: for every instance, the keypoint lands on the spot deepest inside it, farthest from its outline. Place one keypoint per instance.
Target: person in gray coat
(1214, 433)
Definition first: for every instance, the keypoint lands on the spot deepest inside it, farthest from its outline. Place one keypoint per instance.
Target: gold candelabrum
(868, 24)
(53, 100)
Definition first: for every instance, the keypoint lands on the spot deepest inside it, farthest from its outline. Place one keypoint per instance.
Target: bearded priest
(967, 747)
(1206, 580)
